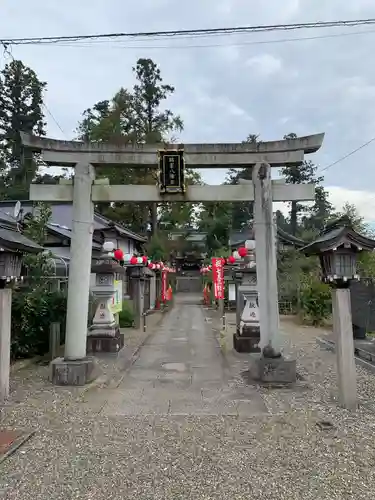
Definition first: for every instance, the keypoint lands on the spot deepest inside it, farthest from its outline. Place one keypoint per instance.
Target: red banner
(164, 285)
(218, 277)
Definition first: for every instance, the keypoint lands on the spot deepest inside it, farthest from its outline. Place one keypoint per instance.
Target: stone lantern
(104, 333)
(338, 247)
(247, 336)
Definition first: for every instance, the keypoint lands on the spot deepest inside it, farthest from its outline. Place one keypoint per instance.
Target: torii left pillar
(75, 368)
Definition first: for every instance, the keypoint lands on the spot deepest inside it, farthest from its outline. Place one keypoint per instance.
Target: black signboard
(171, 165)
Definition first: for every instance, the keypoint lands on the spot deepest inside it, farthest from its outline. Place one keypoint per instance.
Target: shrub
(36, 304)
(32, 313)
(315, 302)
(126, 316)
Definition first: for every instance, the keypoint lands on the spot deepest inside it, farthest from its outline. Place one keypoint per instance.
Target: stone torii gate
(85, 190)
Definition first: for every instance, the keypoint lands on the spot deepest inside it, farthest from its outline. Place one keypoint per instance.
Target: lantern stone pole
(343, 333)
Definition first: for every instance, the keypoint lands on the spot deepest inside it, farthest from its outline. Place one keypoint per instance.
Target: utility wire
(347, 155)
(119, 44)
(190, 33)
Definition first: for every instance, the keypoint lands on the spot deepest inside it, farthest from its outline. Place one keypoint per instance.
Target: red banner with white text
(218, 277)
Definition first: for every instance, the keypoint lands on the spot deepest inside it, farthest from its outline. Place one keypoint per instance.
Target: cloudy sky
(226, 87)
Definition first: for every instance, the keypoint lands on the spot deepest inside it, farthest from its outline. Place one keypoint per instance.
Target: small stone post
(343, 332)
(54, 340)
(221, 312)
(5, 330)
(138, 295)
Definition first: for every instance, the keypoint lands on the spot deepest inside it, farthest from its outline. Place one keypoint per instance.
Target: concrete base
(96, 344)
(273, 370)
(65, 372)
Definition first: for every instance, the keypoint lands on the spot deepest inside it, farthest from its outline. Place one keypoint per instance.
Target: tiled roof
(14, 240)
(62, 216)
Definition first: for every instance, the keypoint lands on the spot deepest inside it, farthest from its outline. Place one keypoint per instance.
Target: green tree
(242, 212)
(350, 211)
(134, 116)
(21, 101)
(215, 219)
(319, 213)
(316, 216)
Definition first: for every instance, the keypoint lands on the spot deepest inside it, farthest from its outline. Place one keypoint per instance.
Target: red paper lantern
(119, 254)
(242, 251)
(145, 259)
(231, 259)
(133, 260)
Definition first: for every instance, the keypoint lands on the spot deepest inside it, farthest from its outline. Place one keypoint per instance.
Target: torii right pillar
(270, 366)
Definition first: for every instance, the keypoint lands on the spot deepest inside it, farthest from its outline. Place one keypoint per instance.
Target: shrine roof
(336, 234)
(238, 238)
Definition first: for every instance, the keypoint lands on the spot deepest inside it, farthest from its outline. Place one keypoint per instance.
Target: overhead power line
(193, 33)
(347, 155)
(120, 44)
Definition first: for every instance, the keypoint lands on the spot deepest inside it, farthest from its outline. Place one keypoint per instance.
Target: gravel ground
(79, 453)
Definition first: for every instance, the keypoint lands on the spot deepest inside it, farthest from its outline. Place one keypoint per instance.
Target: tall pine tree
(133, 116)
(315, 217)
(21, 101)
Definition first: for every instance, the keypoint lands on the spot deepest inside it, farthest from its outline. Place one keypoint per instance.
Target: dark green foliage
(315, 302)
(21, 101)
(301, 217)
(32, 313)
(37, 303)
(132, 116)
(126, 316)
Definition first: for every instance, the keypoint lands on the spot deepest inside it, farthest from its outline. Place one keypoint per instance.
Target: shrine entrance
(85, 190)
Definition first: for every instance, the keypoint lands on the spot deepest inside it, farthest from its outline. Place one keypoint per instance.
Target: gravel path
(182, 424)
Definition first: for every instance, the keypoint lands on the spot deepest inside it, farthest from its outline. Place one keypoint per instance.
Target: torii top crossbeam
(221, 155)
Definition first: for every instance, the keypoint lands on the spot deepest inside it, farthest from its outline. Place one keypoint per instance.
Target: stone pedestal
(272, 370)
(109, 344)
(69, 372)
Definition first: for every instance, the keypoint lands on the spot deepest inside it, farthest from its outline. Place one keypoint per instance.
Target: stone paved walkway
(181, 424)
(180, 371)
